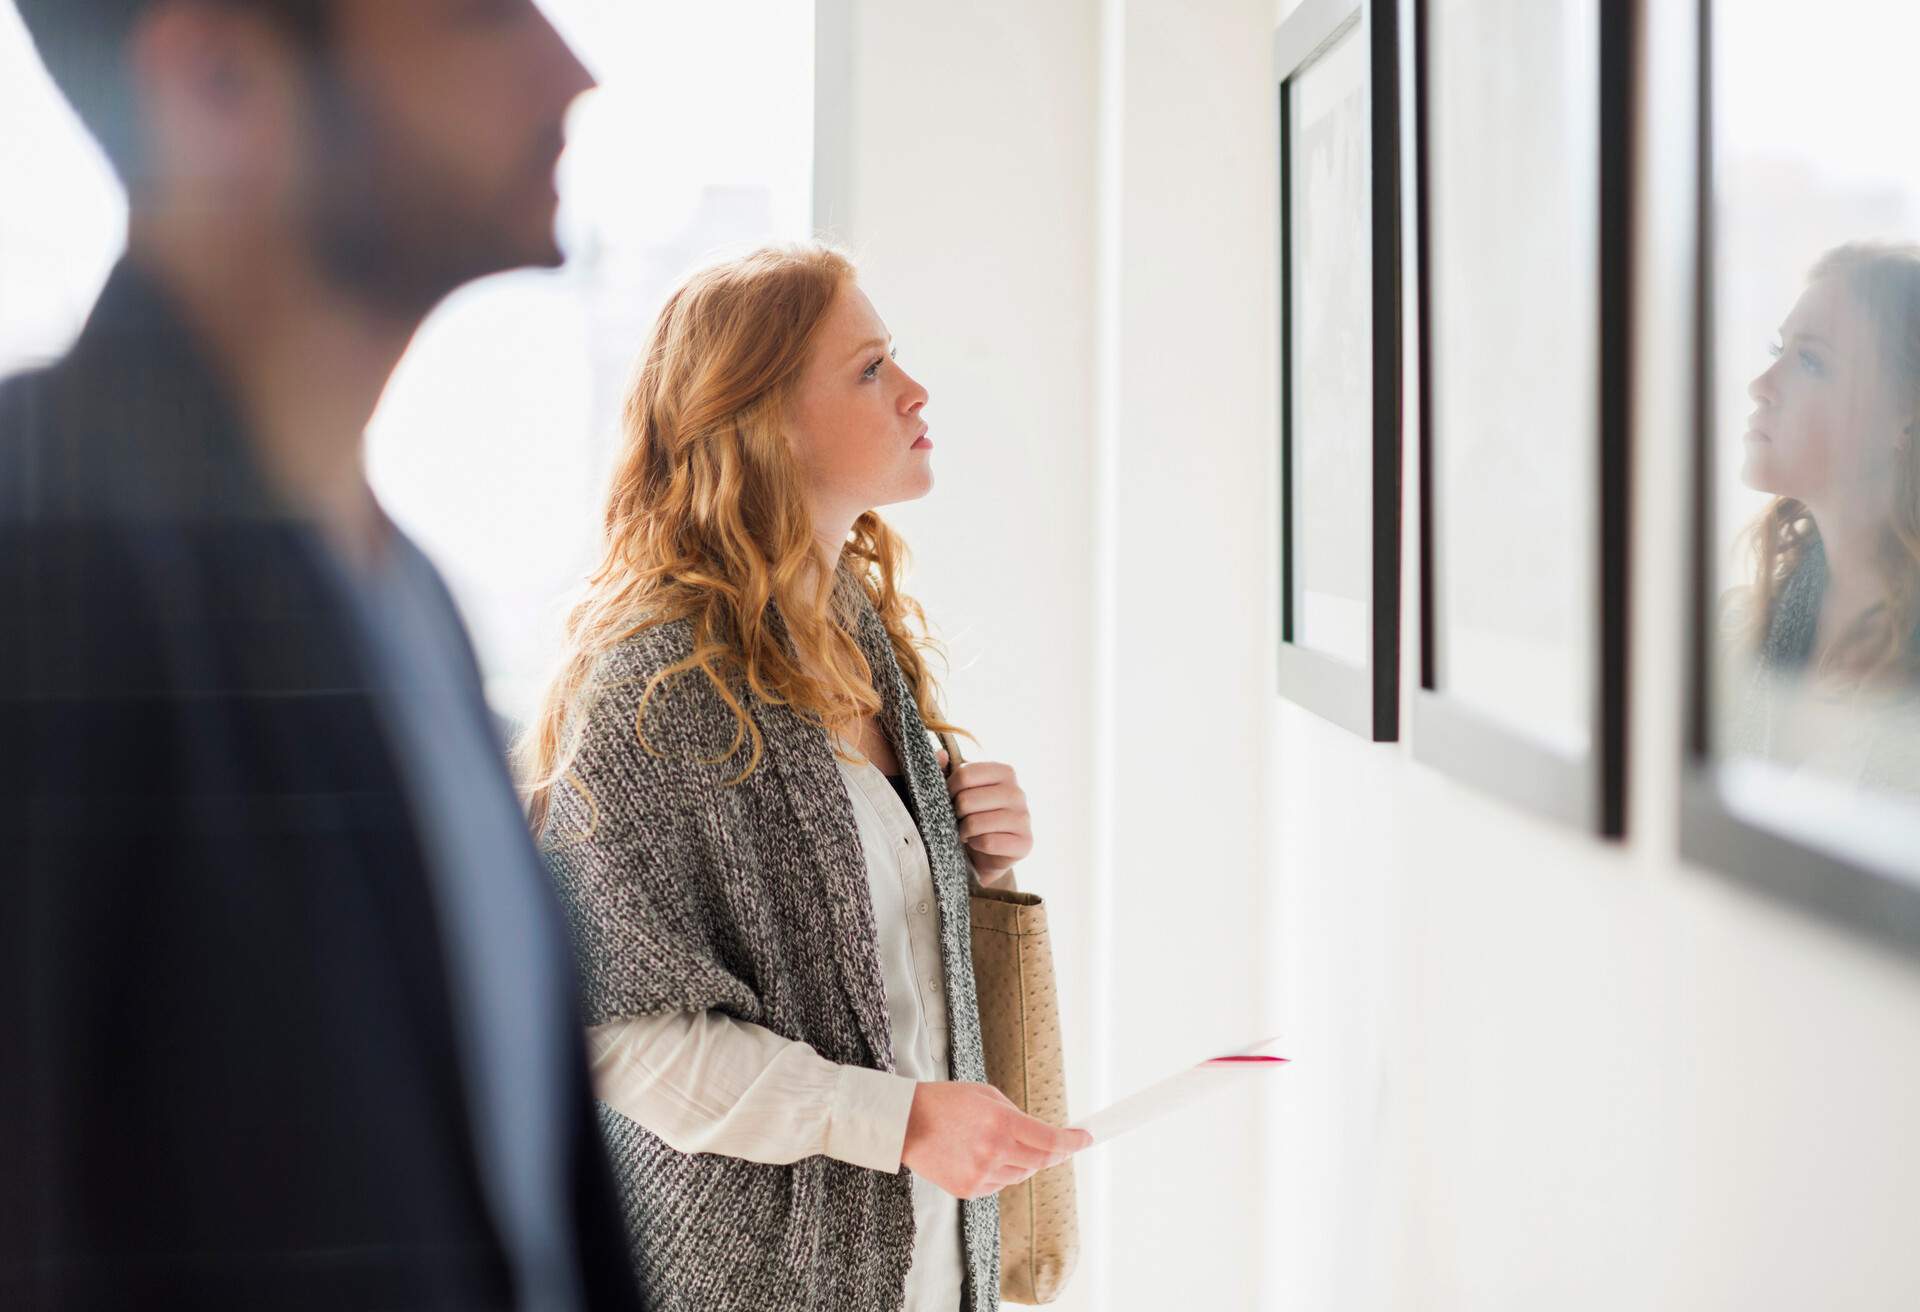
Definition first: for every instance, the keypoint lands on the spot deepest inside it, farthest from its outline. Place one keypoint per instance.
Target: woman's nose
(914, 397)
(1760, 390)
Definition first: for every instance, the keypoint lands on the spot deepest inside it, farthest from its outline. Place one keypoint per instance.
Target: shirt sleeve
(707, 1082)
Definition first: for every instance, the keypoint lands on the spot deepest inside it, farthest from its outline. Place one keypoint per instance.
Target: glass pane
(1816, 391)
(1332, 348)
(1513, 337)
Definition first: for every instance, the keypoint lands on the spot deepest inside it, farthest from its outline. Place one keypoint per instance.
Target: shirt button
(923, 908)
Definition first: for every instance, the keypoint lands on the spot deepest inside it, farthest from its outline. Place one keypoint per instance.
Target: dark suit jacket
(227, 1064)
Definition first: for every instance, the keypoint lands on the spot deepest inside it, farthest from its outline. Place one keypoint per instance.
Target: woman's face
(855, 426)
(1827, 426)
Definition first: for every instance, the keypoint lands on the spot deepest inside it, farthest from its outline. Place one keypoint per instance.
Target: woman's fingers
(1029, 1156)
(1050, 1141)
(991, 808)
(1036, 1145)
(998, 843)
(977, 774)
(1022, 1165)
(1019, 1167)
(1002, 821)
(989, 797)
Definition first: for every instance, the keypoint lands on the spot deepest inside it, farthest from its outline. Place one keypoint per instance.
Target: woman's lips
(922, 443)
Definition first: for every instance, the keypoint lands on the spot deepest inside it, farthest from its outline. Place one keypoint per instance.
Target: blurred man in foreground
(286, 1016)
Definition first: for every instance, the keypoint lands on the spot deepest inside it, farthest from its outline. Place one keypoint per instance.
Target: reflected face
(1827, 421)
(441, 131)
(855, 424)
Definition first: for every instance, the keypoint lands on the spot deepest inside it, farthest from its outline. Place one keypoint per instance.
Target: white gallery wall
(1531, 1070)
(1188, 398)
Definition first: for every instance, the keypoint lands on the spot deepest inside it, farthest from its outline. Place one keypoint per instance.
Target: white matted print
(1332, 348)
(1514, 345)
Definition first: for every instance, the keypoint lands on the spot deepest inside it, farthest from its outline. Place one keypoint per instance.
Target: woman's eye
(1776, 350)
(872, 371)
(1812, 364)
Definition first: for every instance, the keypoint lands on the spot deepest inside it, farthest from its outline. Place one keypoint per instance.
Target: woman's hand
(972, 1141)
(992, 810)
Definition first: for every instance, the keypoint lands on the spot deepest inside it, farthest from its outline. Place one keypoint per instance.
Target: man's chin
(550, 256)
(512, 257)
(540, 247)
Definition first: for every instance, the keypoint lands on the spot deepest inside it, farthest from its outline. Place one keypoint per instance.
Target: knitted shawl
(686, 892)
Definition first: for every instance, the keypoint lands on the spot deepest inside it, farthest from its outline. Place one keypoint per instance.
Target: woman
(1830, 620)
(766, 873)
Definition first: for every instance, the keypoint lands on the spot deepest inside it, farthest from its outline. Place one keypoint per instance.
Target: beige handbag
(1020, 1029)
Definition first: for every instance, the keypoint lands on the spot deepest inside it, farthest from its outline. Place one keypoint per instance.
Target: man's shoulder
(37, 434)
(61, 550)
(77, 439)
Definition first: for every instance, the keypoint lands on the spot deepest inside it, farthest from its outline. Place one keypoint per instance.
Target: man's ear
(219, 90)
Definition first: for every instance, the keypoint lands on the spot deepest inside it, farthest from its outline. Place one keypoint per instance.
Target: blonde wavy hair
(707, 521)
(1884, 281)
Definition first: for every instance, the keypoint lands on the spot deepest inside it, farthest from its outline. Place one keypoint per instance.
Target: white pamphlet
(1177, 1091)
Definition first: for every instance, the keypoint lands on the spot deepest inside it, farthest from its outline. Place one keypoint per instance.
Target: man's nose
(570, 77)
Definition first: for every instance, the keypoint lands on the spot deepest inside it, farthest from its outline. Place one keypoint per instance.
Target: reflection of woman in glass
(1830, 618)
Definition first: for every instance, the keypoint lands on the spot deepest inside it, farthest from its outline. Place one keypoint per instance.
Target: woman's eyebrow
(870, 344)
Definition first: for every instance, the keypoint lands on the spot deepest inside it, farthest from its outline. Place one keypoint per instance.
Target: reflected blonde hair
(707, 521)
(1883, 278)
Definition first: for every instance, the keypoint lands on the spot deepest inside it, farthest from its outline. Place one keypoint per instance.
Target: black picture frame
(1872, 890)
(1363, 698)
(1587, 790)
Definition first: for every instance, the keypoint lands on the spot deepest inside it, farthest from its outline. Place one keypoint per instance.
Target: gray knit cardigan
(686, 893)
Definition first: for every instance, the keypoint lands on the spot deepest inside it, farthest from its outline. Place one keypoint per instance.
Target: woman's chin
(1756, 474)
(908, 489)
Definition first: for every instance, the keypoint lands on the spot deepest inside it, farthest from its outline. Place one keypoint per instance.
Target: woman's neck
(830, 534)
(1856, 572)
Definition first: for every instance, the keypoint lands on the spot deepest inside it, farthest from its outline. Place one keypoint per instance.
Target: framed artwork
(1335, 70)
(1523, 215)
(1802, 736)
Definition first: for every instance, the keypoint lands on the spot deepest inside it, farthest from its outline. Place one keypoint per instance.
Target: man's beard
(388, 224)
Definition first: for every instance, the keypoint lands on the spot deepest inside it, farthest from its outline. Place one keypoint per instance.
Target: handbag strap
(954, 759)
